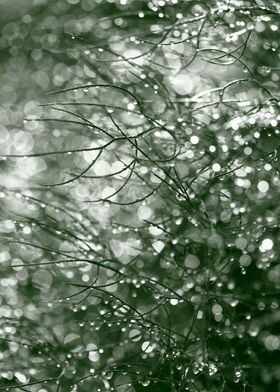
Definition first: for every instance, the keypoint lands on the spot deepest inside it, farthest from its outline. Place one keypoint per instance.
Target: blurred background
(139, 203)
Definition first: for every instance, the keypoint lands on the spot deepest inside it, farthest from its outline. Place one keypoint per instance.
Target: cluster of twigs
(140, 257)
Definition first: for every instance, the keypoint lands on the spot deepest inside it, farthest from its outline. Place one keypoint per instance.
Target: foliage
(139, 215)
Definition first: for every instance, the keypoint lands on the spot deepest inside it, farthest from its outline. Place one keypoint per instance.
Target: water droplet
(108, 375)
(237, 375)
(134, 335)
(147, 347)
(267, 244)
(146, 382)
(212, 369)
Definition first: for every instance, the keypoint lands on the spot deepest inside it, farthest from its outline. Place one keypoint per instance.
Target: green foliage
(139, 199)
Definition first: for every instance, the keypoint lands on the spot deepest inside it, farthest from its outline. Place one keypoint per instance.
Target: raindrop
(212, 369)
(145, 382)
(147, 347)
(134, 335)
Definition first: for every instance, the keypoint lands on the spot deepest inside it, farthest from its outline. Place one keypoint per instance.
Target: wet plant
(139, 216)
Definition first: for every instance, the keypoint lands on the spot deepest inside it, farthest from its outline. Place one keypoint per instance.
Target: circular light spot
(272, 343)
(245, 260)
(216, 167)
(217, 309)
(134, 335)
(240, 243)
(267, 244)
(194, 139)
(182, 83)
(144, 212)
(263, 186)
(147, 347)
(26, 230)
(191, 261)
(82, 191)
(130, 106)
(189, 154)
(215, 241)
(253, 330)
(248, 151)
(267, 167)
(93, 356)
